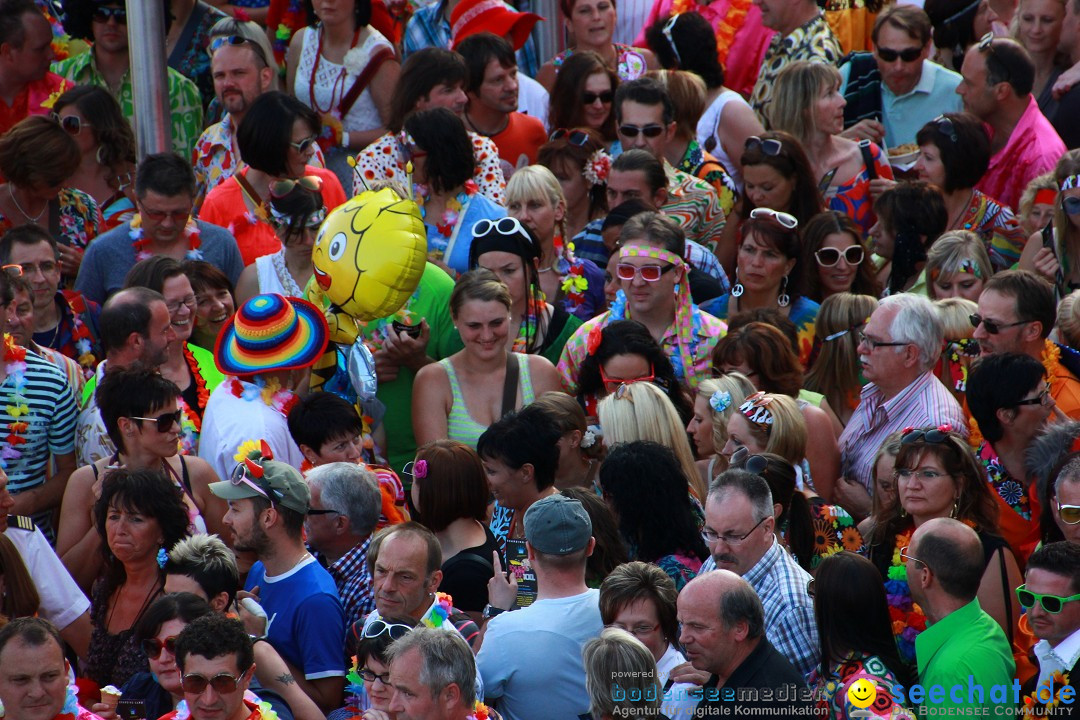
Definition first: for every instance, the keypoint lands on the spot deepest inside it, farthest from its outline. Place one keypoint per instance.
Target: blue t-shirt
(306, 622)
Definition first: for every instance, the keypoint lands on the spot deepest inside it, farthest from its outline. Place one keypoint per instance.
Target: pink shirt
(1033, 149)
(923, 403)
(747, 49)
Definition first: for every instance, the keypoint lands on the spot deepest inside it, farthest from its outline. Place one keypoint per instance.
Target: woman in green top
(510, 250)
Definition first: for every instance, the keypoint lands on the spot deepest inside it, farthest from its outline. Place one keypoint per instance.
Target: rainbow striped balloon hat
(271, 332)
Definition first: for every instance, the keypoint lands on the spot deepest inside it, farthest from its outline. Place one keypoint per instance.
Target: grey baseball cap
(557, 525)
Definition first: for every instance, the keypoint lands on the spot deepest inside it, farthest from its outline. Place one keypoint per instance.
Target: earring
(955, 508)
(737, 289)
(100, 155)
(783, 300)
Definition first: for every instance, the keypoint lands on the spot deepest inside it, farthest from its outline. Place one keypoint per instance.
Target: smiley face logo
(862, 693)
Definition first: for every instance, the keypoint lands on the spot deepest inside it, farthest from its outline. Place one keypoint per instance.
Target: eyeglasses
(652, 130)
(191, 302)
(946, 127)
(160, 215)
(986, 45)
(933, 436)
(786, 219)
(668, 27)
(222, 40)
(638, 631)
(12, 270)
(604, 96)
(648, 273)
(304, 145)
(371, 676)
(769, 146)
(613, 384)
(396, 631)
(1071, 205)
(1069, 514)
(164, 422)
(907, 54)
(993, 326)
(927, 475)
(1041, 399)
(72, 124)
(44, 268)
(875, 344)
(152, 646)
(104, 14)
(828, 257)
(281, 188)
(1050, 603)
(322, 511)
(905, 557)
(223, 683)
(507, 226)
(577, 138)
(241, 476)
(711, 536)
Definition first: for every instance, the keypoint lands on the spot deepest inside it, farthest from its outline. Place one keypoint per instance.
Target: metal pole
(146, 48)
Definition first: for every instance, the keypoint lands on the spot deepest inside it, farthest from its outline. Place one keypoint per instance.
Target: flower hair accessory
(588, 439)
(420, 469)
(720, 401)
(597, 167)
(595, 336)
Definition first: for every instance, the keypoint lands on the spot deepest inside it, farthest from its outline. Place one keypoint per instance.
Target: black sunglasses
(604, 96)
(986, 45)
(1071, 205)
(576, 138)
(1039, 399)
(756, 464)
(993, 327)
(104, 14)
(651, 130)
(932, 436)
(945, 127)
(907, 54)
(164, 422)
(769, 146)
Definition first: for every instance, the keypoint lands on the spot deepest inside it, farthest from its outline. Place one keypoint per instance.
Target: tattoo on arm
(286, 679)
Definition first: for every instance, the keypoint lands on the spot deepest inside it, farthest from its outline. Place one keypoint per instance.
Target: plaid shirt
(430, 27)
(354, 583)
(789, 611)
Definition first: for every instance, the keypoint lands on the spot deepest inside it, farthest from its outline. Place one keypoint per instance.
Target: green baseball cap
(280, 483)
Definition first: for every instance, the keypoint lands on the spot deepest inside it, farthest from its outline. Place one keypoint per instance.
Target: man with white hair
(898, 349)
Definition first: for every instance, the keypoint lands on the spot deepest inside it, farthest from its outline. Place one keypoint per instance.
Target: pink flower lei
(140, 243)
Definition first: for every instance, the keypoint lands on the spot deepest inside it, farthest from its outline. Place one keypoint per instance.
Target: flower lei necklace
(269, 392)
(572, 271)
(1051, 360)
(534, 307)
(16, 406)
(81, 337)
(183, 712)
(140, 243)
(908, 619)
(451, 214)
(191, 418)
(725, 27)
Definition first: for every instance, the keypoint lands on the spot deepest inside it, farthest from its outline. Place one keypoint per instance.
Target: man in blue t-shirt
(304, 620)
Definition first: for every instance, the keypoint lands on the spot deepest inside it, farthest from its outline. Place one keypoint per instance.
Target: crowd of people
(742, 374)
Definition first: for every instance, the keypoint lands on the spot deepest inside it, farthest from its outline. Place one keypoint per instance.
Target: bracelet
(345, 139)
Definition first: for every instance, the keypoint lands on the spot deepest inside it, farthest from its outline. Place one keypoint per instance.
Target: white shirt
(678, 702)
(62, 602)
(1062, 657)
(533, 99)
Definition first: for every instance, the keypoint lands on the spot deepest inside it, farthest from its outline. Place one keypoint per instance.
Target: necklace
(269, 392)
(28, 216)
(339, 81)
(478, 131)
(141, 243)
(16, 408)
(963, 210)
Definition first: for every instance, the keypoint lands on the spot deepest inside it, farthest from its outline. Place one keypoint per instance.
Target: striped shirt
(923, 403)
(51, 421)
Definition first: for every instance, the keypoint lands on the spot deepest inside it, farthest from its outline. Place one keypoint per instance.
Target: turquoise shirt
(904, 115)
(967, 646)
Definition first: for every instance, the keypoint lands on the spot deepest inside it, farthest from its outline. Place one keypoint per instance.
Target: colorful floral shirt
(190, 58)
(997, 226)
(853, 197)
(80, 221)
(803, 314)
(707, 332)
(694, 204)
(813, 41)
(705, 167)
(1018, 503)
(185, 104)
(36, 98)
(833, 689)
(76, 335)
(630, 64)
(834, 530)
(382, 160)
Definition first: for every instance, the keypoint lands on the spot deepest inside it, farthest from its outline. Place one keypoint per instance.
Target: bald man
(723, 631)
(963, 650)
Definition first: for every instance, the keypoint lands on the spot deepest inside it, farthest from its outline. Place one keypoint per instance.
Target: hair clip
(597, 167)
(720, 401)
(588, 439)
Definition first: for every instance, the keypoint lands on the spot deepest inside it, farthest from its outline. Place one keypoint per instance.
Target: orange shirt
(1066, 393)
(519, 141)
(225, 206)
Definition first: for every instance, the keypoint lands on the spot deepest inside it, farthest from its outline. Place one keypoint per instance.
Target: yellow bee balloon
(370, 253)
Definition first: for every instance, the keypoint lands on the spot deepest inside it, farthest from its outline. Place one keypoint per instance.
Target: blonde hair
(1027, 198)
(641, 411)
(948, 252)
(536, 181)
(798, 88)
(739, 387)
(1067, 165)
(955, 314)
(618, 656)
(787, 438)
(478, 284)
(1068, 319)
(687, 92)
(835, 372)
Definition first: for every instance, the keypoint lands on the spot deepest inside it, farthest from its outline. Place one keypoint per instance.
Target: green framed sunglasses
(1050, 603)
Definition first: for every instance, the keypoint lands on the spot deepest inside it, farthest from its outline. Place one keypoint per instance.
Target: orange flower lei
(15, 365)
(1051, 360)
(725, 28)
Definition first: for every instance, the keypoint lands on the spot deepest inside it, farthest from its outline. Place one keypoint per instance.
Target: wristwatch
(491, 611)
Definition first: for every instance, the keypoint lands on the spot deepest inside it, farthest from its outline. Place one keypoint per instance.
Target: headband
(685, 325)
(494, 241)
(1073, 181)
(964, 11)
(758, 414)
(1046, 196)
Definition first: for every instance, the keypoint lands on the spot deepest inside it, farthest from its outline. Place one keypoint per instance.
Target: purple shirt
(923, 403)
